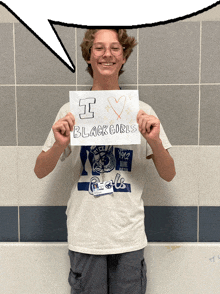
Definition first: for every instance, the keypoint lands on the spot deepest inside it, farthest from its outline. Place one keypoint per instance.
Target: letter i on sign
(87, 108)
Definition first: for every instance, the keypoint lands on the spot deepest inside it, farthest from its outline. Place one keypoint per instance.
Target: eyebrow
(104, 43)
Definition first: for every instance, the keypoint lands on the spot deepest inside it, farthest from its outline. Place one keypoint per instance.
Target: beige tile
(6, 16)
(209, 113)
(8, 176)
(34, 268)
(183, 268)
(36, 64)
(183, 189)
(37, 108)
(177, 108)
(209, 178)
(169, 54)
(210, 52)
(83, 77)
(52, 190)
(6, 54)
(212, 14)
(7, 116)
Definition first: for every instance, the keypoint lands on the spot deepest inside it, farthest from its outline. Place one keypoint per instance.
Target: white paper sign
(105, 117)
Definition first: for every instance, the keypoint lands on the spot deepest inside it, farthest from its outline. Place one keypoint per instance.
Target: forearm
(47, 161)
(164, 163)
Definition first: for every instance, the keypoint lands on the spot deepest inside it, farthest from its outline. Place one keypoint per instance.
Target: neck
(105, 83)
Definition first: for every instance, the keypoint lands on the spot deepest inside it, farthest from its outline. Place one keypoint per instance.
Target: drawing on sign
(117, 105)
(87, 107)
(109, 114)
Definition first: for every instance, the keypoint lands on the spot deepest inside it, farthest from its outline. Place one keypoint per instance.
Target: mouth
(106, 63)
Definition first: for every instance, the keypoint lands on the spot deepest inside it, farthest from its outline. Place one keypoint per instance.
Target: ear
(124, 60)
(88, 61)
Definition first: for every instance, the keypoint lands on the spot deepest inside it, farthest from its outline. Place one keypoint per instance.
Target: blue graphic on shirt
(103, 160)
(123, 159)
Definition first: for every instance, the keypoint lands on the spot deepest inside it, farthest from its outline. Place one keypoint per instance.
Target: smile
(107, 63)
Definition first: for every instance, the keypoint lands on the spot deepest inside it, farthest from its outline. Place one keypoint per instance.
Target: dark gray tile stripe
(171, 223)
(162, 224)
(209, 224)
(43, 224)
(8, 223)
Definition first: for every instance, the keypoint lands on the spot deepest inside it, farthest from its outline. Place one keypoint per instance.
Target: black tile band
(162, 223)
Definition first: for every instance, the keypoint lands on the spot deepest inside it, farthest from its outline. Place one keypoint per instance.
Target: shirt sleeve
(165, 141)
(51, 139)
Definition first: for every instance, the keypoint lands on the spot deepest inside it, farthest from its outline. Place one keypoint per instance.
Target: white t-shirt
(112, 223)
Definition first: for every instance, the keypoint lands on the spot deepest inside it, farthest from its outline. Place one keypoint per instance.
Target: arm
(47, 161)
(149, 127)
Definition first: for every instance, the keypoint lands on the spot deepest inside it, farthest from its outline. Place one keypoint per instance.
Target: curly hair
(127, 42)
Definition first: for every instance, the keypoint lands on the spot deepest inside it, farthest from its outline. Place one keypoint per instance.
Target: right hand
(62, 129)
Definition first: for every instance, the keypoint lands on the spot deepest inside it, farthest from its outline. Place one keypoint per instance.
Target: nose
(107, 52)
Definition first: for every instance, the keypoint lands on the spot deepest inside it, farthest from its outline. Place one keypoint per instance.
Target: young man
(106, 235)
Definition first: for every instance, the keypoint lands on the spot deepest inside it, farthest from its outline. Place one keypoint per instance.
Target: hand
(62, 129)
(149, 126)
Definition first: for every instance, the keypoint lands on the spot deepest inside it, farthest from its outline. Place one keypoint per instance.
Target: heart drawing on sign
(117, 105)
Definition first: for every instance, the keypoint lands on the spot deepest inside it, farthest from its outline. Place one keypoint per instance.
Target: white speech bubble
(39, 16)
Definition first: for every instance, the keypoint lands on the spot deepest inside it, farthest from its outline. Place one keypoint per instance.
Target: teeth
(107, 63)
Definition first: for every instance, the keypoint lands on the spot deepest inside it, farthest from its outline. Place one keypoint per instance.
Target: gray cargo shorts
(123, 273)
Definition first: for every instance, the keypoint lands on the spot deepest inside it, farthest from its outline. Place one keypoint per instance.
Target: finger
(67, 128)
(59, 128)
(148, 126)
(70, 120)
(140, 123)
(71, 116)
(143, 124)
(140, 114)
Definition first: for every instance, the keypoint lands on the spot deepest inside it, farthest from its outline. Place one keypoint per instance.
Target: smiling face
(108, 64)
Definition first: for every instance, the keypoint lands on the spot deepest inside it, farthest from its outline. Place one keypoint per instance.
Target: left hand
(149, 126)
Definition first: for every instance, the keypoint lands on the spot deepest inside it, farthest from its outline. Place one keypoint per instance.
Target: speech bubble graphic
(40, 16)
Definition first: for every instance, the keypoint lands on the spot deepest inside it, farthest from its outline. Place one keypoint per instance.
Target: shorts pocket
(143, 277)
(75, 281)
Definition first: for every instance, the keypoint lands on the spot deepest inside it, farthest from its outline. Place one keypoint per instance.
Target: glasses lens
(99, 50)
(116, 50)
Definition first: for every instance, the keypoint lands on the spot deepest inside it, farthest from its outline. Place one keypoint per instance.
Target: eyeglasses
(99, 49)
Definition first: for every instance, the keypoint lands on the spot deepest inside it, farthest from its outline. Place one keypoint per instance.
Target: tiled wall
(176, 70)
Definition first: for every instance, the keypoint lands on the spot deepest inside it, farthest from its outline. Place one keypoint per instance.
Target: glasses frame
(105, 48)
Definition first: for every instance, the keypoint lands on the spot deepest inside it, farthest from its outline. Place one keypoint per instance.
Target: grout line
(161, 85)
(200, 63)
(198, 224)
(76, 72)
(199, 118)
(38, 85)
(16, 124)
(137, 58)
(15, 85)
(68, 85)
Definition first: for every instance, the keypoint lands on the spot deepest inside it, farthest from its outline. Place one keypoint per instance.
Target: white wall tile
(209, 176)
(183, 268)
(34, 268)
(54, 189)
(43, 268)
(183, 189)
(8, 176)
